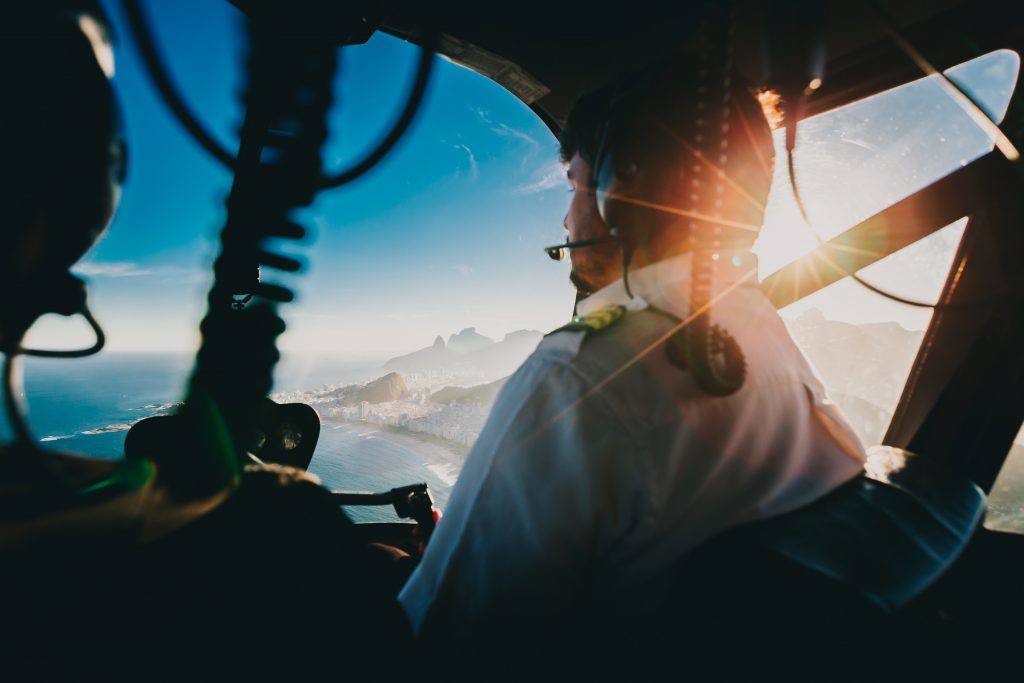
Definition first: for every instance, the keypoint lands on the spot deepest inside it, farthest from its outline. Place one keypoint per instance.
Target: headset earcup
(631, 196)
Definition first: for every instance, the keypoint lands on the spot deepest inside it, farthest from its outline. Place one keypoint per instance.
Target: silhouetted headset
(627, 175)
(605, 174)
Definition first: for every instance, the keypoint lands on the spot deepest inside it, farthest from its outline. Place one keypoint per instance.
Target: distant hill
(483, 394)
(869, 420)
(435, 355)
(468, 341)
(470, 353)
(869, 362)
(504, 357)
(390, 387)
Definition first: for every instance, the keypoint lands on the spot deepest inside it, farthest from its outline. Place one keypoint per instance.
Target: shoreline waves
(443, 458)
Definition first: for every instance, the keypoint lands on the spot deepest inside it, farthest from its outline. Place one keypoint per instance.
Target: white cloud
(545, 178)
(481, 113)
(119, 269)
(462, 269)
(473, 167)
(507, 131)
(111, 269)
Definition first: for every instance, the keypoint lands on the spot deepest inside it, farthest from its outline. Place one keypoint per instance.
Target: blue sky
(445, 234)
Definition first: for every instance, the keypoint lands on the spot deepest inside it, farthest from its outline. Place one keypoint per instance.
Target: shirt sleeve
(549, 484)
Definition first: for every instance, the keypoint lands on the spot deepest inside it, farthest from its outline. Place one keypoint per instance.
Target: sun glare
(853, 162)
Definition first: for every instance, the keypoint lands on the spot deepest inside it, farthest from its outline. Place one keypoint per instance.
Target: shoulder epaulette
(602, 318)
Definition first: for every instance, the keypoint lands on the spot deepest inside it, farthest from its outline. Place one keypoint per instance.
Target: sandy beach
(443, 458)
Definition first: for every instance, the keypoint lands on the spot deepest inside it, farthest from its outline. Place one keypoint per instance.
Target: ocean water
(350, 460)
(87, 405)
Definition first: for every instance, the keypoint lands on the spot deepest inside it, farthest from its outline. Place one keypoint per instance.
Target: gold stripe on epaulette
(595, 321)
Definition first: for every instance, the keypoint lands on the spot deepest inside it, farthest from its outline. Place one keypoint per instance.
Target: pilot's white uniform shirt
(602, 462)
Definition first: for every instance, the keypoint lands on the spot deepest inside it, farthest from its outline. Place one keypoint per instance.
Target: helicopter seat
(842, 566)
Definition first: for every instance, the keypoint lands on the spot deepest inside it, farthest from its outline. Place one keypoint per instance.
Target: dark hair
(659, 113)
(582, 130)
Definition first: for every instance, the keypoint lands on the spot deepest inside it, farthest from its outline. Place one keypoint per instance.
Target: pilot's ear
(632, 186)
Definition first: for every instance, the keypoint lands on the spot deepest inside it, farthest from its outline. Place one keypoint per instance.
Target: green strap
(128, 475)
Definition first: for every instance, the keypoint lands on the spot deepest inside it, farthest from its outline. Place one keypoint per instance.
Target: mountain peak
(468, 340)
(471, 353)
(390, 387)
(522, 334)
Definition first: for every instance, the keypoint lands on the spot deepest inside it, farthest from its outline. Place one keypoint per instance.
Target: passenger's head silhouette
(64, 157)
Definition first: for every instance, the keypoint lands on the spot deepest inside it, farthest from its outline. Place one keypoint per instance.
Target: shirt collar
(666, 283)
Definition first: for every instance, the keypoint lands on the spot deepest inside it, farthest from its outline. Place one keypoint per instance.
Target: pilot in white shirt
(603, 460)
(583, 488)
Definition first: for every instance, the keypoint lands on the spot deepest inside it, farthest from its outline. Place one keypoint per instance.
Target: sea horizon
(87, 406)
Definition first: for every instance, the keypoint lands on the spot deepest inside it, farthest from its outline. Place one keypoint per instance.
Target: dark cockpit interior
(900, 552)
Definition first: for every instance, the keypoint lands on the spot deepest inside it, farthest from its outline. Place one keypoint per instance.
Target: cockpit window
(426, 285)
(863, 345)
(1006, 499)
(854, 161)
(851, 163)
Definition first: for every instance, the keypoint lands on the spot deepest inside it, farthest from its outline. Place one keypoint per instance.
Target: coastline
(444, 458)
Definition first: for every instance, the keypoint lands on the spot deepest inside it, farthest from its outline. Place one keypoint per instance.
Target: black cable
(412, 106)
(163, 83)
(288, 98)
(12, 403)
(991, 298)
(1002, 293)
(101, 340)
(12, 399)
(159, 75)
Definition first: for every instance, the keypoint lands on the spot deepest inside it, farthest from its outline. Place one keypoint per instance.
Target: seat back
(843, 563)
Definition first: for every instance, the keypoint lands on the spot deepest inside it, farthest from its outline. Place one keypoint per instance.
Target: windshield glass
(426, 285)
(851, 163)
(1006, 499)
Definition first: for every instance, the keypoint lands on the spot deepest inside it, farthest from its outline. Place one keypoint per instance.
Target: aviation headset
(662, 164)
